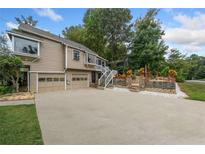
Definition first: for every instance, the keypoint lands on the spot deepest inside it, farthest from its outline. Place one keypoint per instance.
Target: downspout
(66, 65)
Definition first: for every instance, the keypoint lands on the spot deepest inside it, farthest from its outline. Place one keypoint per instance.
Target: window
(103, 63)
(91, 59)
(41, 79)
(99, 62)
(76, 55)
(61, 79)
(55, 79)
(25, 46)
(49, 79)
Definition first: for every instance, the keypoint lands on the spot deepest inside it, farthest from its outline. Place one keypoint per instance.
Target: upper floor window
(25, 46)
(91, 59)
(76, 55)
(99, 62)
(103, 63)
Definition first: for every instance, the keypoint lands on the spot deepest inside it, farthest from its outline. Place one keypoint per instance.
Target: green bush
(5, 89)
(164, 72)
(180, 77)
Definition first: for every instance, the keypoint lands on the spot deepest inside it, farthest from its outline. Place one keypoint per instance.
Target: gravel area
(179, 93)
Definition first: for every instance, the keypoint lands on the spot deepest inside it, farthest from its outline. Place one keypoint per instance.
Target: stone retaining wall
(160, 84)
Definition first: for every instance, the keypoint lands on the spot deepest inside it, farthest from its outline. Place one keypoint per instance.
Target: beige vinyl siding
(33, 82)
(73, 64)
(51, 57)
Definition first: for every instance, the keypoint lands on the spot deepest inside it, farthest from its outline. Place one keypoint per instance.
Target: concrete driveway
(91, 116)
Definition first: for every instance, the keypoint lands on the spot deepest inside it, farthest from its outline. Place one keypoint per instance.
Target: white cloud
(192, 48)
(11, 25)
(49, 13)
(185, 36)
(190, 34)
(195, 22)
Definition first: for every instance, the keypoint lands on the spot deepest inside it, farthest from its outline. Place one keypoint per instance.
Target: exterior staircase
(106, 79)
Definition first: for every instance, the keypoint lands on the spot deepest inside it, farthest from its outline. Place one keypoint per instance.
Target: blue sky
(184, 28)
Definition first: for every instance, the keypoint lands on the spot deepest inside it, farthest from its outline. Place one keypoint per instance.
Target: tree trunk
(145, 71)
(17, 87)
(15, 82)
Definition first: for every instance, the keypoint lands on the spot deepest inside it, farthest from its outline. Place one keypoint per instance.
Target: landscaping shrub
(141, 71)
(164, 72)
(180, 78)
(5, 89)
(172, 73)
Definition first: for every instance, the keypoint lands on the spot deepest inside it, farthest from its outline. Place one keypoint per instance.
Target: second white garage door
(80, 81)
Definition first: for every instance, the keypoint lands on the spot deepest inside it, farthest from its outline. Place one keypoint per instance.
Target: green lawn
(195, 91)
(19, 125)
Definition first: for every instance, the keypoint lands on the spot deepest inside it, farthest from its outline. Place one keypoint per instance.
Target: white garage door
(80, 81)
(51, 82)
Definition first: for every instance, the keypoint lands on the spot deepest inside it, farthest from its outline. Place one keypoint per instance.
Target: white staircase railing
(102, 79)
(107, 76)
(110, 77)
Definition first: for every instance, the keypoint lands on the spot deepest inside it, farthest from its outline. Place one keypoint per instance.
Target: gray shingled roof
(36, 31)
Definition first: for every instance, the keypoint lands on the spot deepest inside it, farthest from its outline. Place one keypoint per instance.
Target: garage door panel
(51, 82)
(80, 81)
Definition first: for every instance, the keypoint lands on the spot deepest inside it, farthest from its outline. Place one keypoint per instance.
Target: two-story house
(55, 63)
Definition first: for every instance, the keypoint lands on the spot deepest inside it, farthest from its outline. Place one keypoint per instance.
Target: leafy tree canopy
(148, 48)
(10, 69)
(3, 44)
(105, 31)
(75, 33)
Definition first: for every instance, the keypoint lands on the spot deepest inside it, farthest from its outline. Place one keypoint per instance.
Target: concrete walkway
(196, 81)
(92, 116)
(19, 102)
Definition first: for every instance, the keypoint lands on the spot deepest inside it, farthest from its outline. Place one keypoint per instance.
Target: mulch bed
(17, 96)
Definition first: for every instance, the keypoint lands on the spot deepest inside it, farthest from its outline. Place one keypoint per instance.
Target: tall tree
(9, 64)
(110, 29)
(148, 48)
(10, 69)
(117, 28)
(75, 33)
(94, 33)
(196, 68)
(176, 61)
(4, 44)
(107, 32)
(26, 20)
